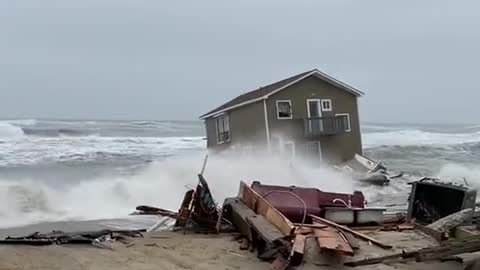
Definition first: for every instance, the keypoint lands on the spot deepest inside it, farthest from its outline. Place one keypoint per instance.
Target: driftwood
(346, 229)
(445, 250)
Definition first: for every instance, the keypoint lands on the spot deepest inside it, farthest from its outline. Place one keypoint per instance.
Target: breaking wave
(9, 131)
(162, 184)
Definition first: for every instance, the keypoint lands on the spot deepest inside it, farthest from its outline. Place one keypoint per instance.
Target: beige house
(309, 115)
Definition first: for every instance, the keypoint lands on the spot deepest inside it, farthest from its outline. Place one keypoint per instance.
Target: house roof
(266, 91)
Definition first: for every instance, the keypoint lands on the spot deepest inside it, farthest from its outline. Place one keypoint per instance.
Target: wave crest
(9, 131)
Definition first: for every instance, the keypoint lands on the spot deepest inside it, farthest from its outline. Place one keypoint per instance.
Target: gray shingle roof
(266, 90)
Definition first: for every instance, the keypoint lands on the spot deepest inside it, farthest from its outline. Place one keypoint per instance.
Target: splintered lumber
(343, 228)
(446, 249)
(304, 230)
(264, 229)
(298, 250)
(262, 207)
(331, 239)
(317, 226)
(351, 240)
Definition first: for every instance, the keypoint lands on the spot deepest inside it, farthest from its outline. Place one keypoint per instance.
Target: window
(284, 109)
(223, 129)
(326, 105)
(345, 120)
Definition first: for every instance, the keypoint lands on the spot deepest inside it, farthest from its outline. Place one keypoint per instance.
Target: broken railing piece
(346, 229)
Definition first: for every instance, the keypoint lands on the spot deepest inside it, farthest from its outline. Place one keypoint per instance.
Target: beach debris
(330, 239)
(427, 202)
(296, 203)
(368, 171)
(444, 250)
(346, 229)
(450, 222)
(96, 238)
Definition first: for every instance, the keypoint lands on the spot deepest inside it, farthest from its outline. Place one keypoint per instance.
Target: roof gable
(266, 91)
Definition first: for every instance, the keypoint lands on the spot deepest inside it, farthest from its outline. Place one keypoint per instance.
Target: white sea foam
(161, 184)
(417, 137)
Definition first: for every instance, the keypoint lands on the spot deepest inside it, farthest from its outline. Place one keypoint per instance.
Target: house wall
(247, 127)
(335, 148)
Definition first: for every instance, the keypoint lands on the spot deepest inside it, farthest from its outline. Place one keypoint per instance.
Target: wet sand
(169, 250)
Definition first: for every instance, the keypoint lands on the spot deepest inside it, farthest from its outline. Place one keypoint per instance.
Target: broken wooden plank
(298, 250)
(262, 207)
(405, 227)
(352, 240)
(264, 229)
(330, 239)
(343, 228)
(318, 226)
(371, 261)
(304, 230)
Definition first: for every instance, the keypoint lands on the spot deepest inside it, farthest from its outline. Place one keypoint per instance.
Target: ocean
(99, 171)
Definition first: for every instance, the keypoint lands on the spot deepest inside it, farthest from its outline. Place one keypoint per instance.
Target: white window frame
(326, 109)
(291, 110)
(217, 131)
(348, 120)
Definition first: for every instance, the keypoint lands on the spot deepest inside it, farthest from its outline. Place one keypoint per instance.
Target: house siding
(335, 148)
(247, 127)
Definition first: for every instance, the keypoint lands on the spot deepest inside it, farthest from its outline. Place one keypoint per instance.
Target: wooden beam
(351, 240)
(262, 207)
(239, 213)
(316, 226)
(343, 228)
(298, 249)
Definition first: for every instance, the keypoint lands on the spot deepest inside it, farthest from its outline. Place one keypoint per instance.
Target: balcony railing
(321, 126)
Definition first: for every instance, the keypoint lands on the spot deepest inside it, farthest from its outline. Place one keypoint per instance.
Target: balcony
(324, 126)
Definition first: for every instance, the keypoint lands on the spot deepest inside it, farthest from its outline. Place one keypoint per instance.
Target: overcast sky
(417, 61)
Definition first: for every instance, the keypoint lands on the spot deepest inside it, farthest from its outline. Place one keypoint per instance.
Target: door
(314, 113)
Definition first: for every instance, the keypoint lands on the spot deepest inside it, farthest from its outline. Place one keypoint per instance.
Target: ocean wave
(9, 131)
(417, 137)
(161, 183)
(56, 132)
(46, 150)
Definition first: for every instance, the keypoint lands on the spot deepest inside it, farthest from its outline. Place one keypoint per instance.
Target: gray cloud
(416, 60)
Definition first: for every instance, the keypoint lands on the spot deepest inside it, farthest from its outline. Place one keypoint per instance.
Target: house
(309, 115)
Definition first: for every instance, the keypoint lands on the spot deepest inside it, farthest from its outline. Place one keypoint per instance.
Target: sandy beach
(170, 250)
